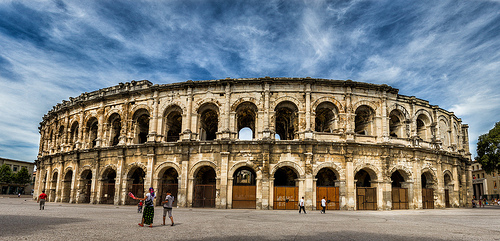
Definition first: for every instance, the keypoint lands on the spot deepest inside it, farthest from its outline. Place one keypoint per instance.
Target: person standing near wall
(41, 200)
(323, 205)
(301, 205)
(167, 208)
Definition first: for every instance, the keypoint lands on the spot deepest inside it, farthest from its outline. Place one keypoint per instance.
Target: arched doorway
(447, 187)
(427, 191)
(366, 196)
(86, 186)
(204, 188)
(244, 188)
(169, 182)
(53, 185)
(66, 194)
(325, 187)
(108, 186)
(286, 190)
(399, 194)
(135, 185)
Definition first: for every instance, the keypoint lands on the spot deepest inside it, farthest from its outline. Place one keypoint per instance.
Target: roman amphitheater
(259, 143)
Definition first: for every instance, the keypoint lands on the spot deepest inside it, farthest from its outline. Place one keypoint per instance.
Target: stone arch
(200, 164)
(432, 174)
(67, 169)
(337, 169)
(202, 102)
(340, 107)
(138, 107)
(165, 106)
(294, 166)
(401, 109)
(105, 168)
(164, 166)
(132, 166)
(405, 172)
(237, 165)
(371, 104)
(83, 169)
(373, 171)
(246, 116)
(110, 113)
(447, 172)
(422, 112)
(242, 100)
(294, 100)
(89, 116)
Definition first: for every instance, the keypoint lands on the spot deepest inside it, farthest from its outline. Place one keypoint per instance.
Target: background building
(485, 185)
(15, 167)
(256, 143)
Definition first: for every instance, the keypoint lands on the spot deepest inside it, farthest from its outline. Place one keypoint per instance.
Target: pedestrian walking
(149, 209)
(323, 205)
(167, 207)
(301, 205)
(139, 207)
(41, 200)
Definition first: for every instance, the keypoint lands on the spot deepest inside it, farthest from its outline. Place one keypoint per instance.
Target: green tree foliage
(22, 176)
(5, 174)
(488, 149)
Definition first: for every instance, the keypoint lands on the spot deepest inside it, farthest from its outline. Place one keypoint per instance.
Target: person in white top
(323, 205)
(301, 205)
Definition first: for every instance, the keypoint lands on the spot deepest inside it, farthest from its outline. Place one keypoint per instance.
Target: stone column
(266, 133)
(308, 132)
(74, 183)
(153, 122)
(80, 141)
(183, 189)
(350, 184)
(385, 123)
(417, 184)
(120, 180)
(187, 134)
(100, 113)
(342, 194)
(223, 179)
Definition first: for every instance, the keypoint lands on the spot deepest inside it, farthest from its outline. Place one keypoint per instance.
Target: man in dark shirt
(41, 200)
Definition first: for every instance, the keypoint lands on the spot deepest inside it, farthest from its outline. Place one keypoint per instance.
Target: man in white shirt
(301, 205)
(323, 205)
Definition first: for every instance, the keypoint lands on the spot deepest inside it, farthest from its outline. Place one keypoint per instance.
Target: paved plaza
(20, 219)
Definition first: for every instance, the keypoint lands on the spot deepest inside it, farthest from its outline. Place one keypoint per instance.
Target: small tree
(488, 149)
(5, 174)
(22, 176)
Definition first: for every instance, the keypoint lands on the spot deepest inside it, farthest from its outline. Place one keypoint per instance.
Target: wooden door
(244, 197)
(173, 187)
(427, 198)
(108, 193)
(331, 194)
(86, 193)
(399, 198)
(366, 198)
(204, 196)
(447, 198)
(286, 198)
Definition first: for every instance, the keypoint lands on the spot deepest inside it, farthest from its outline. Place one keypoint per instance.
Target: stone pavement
(20, 219)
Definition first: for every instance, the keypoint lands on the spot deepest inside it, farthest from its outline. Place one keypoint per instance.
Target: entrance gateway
(366, 196)
(244, 188)
(286, 190)
(204, 188)
(325, 187)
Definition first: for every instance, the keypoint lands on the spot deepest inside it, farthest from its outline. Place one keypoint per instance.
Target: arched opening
(325, 120)
(141, 125)
(173, 123)
(244, 188)
(246, 118)
(286, 117)
(444, 133)
(108, 186)
(115, 129)
(209, 122)
(66, 192)
(86, 186)
(60, 136)
(396, 124)
(364, 121)
(365, 193)
(423, 127)
(92, 126)
(399, 191)
(135, 184)
(448, 185)
(53, 186)
(286, 190)
(427, 191)
(73, 134)
(204, 188)
(325, 188)
(169, 182)
(245, 134)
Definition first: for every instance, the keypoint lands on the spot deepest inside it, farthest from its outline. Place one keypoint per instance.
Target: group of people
(302, 207)
(482, 202)
(149, 210)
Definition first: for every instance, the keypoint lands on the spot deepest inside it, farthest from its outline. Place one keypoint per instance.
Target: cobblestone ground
(21, 219)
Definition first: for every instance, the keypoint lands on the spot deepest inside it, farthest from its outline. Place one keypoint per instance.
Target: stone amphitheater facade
(258, 143)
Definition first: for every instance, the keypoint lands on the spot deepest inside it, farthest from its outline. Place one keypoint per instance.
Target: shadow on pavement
(12, 225)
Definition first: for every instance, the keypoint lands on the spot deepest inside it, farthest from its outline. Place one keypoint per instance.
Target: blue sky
(446, 52)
